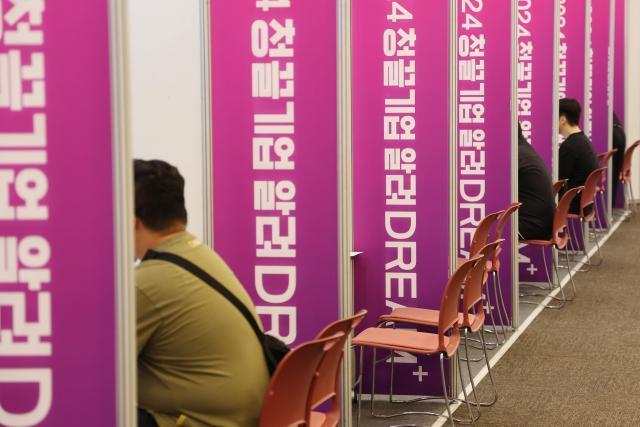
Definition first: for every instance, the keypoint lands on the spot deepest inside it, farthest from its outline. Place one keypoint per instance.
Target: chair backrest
(473, 287)
(560, 235)
(558, 185)
(502, 222)
(448, 317)
(588, 196)
(286, 402)
(603, 158)
(482, 233)
(625, 171)
(327, 385)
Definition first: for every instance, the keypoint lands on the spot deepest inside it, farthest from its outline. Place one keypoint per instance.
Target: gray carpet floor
(579, 365)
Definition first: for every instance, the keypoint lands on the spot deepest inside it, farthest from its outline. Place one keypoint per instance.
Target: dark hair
(616, 120)
(570, 108)
(521, 137)
(159, 194)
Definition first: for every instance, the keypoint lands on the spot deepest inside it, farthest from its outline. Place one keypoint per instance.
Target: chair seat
(573, 216)
(419, 316)
(399, 339)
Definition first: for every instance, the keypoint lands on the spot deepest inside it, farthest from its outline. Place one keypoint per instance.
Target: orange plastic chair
(286, 402)
(478, 241)
(493, 266)
(557, 242)
(327, 385)
(588, 210)
(603, 159)
(471, 318)
(559, 185)
(444, 343)
(625, 177)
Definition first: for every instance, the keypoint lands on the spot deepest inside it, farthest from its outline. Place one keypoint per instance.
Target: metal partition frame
(610, 75)
(515, 295)
(205, 111)
(126, 369)
(588, 74)
(345, 195)
(453, 157)
(555, 131)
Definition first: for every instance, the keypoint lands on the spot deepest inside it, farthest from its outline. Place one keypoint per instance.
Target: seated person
(619, 142)
(197, 355)
(535, 216)
(577, 157)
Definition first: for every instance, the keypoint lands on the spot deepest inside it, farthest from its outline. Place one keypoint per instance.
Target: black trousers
(145, 419)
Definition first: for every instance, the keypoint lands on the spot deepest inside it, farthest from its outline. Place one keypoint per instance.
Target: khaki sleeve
(148, 319)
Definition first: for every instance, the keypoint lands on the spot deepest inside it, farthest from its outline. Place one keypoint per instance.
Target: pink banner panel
(275, 158)
(57, 270)
(401, 167)
(536, 21)
(484, 126)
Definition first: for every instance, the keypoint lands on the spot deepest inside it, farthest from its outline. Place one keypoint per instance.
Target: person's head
(570, 111)
(159, 203)
(616, 120)
(521, 138)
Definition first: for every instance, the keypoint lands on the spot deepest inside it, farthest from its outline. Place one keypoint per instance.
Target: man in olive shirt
(577, 157)
(198, 358)
(535, 216)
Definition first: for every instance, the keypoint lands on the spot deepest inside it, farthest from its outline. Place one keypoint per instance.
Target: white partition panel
(166, 45)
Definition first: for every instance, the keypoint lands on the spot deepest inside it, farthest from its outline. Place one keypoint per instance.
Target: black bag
(274, 350)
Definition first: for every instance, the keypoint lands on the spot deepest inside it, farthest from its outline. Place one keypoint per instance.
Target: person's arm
(148, 319)
(566, 160)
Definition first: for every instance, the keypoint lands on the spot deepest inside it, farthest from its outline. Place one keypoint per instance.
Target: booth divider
(276, 159)
(67, 341)
(401, 140)
(538, 40)
(619, 81)
(487, 154)
(600, 106)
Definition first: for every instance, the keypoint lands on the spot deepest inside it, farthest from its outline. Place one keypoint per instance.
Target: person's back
(535, 216)
(577, 158)
(197, 355)
(619, 142)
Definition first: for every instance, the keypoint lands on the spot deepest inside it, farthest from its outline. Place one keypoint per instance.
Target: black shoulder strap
(208, 279)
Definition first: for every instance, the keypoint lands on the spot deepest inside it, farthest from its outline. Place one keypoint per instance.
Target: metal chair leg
(444, 390)
(493, 321)
(573, 285)
(359, 397)
(597, 242)
(499, 286)
(497, 299)
(472, 419)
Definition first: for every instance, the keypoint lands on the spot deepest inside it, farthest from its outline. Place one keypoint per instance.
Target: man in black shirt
(535, 216)
(619, 142)
(577, 157)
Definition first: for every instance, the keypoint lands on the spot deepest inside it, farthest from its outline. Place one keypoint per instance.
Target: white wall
(633, 88)
(166, 92)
